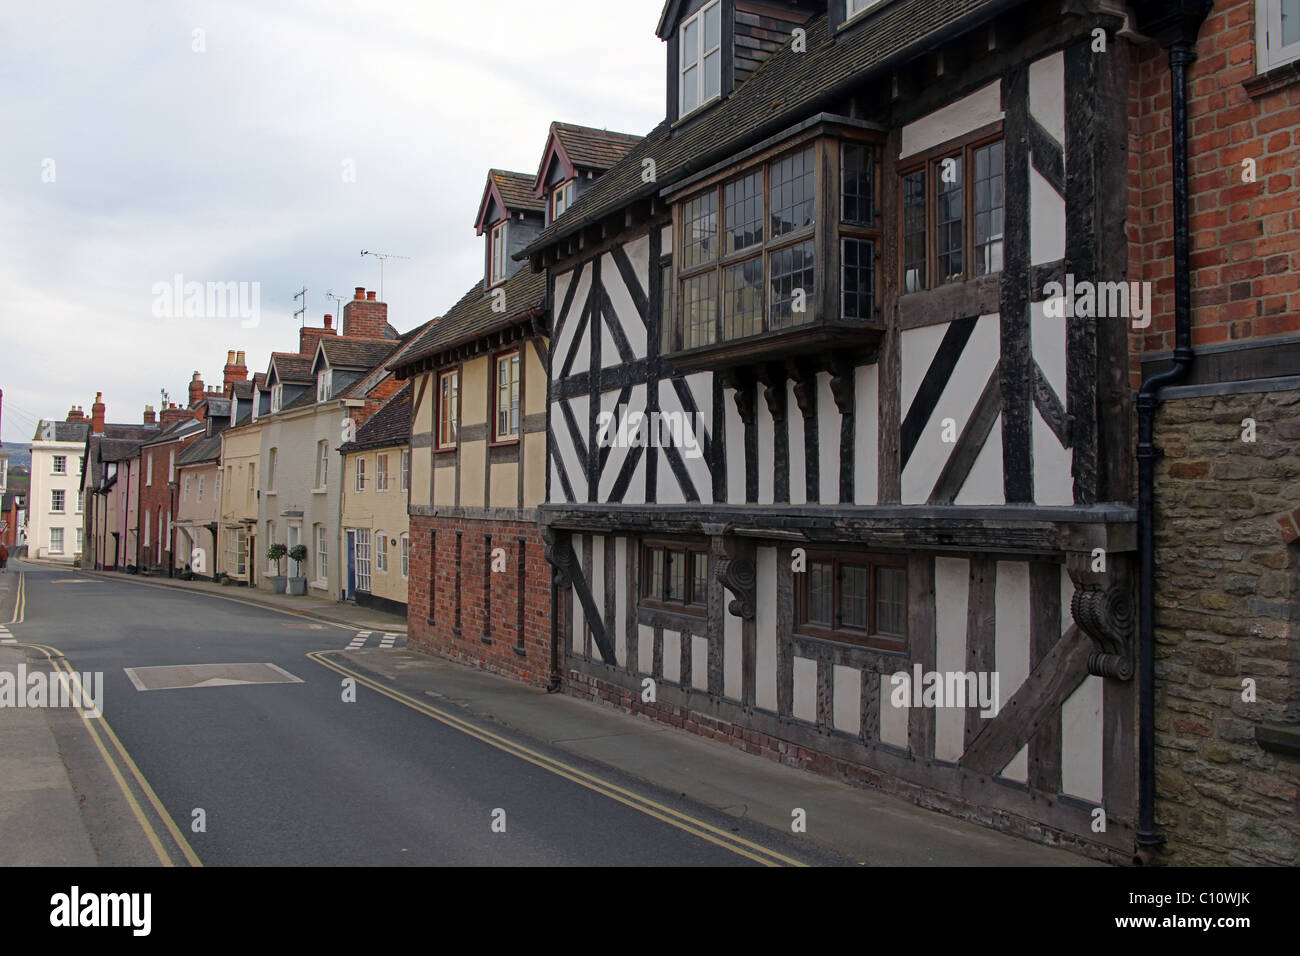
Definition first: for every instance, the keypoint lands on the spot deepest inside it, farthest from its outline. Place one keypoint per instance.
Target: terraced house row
(951, 339)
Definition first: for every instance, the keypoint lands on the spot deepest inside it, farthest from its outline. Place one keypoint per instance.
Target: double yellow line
(689, 824)
(100, 731)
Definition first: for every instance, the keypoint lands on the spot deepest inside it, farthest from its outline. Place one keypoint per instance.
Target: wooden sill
(1278, 78)
(810, 338)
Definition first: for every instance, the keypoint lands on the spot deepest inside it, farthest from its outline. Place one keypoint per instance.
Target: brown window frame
(691, 603)
(438, 444)
(930, 161)
(870, 638)
(508, 439)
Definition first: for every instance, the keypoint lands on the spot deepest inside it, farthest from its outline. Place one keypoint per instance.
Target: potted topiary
(298, 583)
(276, 553)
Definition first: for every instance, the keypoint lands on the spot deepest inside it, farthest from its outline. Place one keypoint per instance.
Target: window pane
(665, 307)
(857, 192)
(792, 192)
(819, 593)
(691, 43)
(792, 285)
(743, 201)
(712, 75)
(690, 89)
(914, 253)
(700, 230)
(853, 596)
(988, 209)
(891, 594)
(742, 299)
(675, 583)
(655, 588)
(948, 226)
(857, 278)
(713, 27)
(699, 578)
(1290, 22)
(699, 310)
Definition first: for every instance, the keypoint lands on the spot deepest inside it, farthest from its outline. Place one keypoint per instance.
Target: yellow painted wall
(534, 469)
(379, 511)
(505, 485)
(474, 383)
(473, 459)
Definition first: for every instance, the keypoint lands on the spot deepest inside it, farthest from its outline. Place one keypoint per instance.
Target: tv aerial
(381, 256)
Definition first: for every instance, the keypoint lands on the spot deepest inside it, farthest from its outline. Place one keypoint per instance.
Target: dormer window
(497, 254)
(561, 199)
(701, 58)
(324, 385)
(277, 397)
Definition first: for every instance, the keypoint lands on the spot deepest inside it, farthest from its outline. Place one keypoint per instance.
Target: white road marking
(388, 641)
(359, 641)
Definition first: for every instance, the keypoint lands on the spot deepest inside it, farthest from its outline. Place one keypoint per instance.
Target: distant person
(4, 559)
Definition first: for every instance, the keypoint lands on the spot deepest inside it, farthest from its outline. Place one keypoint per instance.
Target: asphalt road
(292, 774)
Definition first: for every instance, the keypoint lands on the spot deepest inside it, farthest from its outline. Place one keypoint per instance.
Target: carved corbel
(1102, 607)
(736, 569)
(842, 381)
(804, 376)
(560, 557)
(744, 395)
(772, 377)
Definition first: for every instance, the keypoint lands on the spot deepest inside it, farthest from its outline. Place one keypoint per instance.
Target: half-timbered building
(825, 452)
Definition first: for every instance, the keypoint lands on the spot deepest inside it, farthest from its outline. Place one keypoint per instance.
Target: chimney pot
(239, 359)
(329, 321)
(370, 296)
(359, 293)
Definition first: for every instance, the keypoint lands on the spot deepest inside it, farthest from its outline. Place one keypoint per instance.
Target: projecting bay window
(782, 248)
(675, 577)
(952, 213)
(854, 598)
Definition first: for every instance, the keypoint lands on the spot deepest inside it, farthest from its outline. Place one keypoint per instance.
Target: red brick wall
(156, 498)
(439, 635)
(1245, 252)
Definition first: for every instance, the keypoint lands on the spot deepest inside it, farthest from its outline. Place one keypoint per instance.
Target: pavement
(862, 826)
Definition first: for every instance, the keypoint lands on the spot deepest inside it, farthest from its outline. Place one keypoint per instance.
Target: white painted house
(54, 522)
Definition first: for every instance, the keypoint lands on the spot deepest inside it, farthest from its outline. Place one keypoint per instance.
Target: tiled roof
(308, 397)
(357, 353)
(259, 381)
(516, 190)
(243, 390)
(203, 450)
(391, 425)
(291, 367)
(64, 431)
(217, 407)
(598, 148)
(786, 88)
(473, 315)
(118, 449)
(175, 430)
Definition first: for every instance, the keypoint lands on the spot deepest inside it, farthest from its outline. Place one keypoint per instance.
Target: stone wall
(1227, 612)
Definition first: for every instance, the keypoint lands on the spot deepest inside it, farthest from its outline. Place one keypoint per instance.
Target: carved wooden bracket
(739, 574)
(560, 556)
(774, 390)
(744, 395)
(842, 381)
(1103, 608)
(804, 376)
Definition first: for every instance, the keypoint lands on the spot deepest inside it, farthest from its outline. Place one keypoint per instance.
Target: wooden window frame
(381, 471)
(837, 557)
(930, 160)
(495, 260)
(693, 604)
(359, 475)
(438, 444)
(825, 232)
(508, 439)
(1269, 52)
(701, 53)
(564, 190)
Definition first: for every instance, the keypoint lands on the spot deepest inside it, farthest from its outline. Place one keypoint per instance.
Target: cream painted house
(242, 553)
(55, 510)
(199, 477)
(374, 536)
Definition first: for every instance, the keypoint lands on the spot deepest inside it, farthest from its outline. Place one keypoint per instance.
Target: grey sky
(228, 166)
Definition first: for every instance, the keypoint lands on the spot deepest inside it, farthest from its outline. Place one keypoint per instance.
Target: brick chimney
(97, 414)
(196, 389)
(363, 317)
(235, 371)
(76, 414)
(149, 417)
(308, 337)
(173, 413)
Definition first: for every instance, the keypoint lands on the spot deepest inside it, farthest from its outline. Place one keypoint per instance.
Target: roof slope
(787, 87)
(516, 190)
(598, 148)
(391, 425)
(357, 353)
(473, 315)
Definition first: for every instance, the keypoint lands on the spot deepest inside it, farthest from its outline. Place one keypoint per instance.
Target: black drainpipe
(1183, 20)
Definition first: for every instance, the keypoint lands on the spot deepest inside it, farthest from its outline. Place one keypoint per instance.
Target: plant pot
(278, 582)
(298, 586)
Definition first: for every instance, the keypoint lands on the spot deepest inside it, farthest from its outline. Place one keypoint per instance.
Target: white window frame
(381, 472)
(562, 198)
(855, 8)
(361, 474)
(270, 470)
(444, 399)
(277, 397)
(1269, 52)
(381, 552)
(699, 55)
(270, 540)
(53, 548)
(322, 464)
(497, 252)
(406, 554)
(406, 469)
(512, 390)
(250, 495)
(81, 500)
(322, 554)
(324, 384)
(146, 527)
(80, 541)
(60, 464)
(198, 500)
(58, 501)
(361, 549)
(148, 468)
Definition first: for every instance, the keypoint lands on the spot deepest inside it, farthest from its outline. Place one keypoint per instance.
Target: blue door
(352, 566)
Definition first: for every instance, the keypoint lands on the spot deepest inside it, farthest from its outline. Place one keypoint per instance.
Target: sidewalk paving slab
(870, 827)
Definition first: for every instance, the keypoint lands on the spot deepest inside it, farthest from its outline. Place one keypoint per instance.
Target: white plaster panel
(645, 649)
(673, 656)
(918, 348)
(732, 663)
(1053, 484)
(984, 485)
(735, 445)
(893, 720)
(798, 463)
(1011, 644)
(766, 450)
(1018, 768)
(620, 601)
(951, 591)
(805, 689)
(699, 662)
(966, 115)
(632, 324)
(866, 427)
(1081, 741)
(846, 709)
(564, 444)
(1047, 336)
(828, 441)
(1047, 94)
(765, 630)
(597, 586)
(1046, 220)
